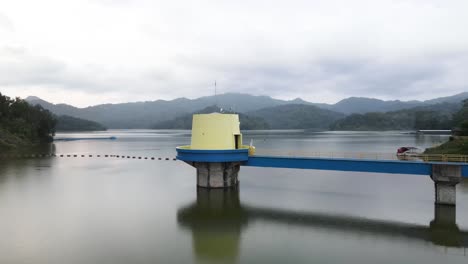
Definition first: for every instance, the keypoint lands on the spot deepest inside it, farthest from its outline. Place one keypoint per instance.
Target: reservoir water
(114, 210)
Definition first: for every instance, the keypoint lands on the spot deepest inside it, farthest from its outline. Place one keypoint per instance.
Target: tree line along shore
(23, 124)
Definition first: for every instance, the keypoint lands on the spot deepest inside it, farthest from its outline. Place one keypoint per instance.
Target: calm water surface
(110, 210)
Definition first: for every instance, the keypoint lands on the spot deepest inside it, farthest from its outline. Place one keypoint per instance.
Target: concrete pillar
(217, 174)
(445, 178)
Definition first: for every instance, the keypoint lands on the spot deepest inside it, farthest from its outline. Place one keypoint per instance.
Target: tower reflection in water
(217, 218)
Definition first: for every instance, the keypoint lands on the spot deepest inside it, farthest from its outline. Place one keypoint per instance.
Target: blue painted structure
(338, 164)
(357, 165)
(202, 155)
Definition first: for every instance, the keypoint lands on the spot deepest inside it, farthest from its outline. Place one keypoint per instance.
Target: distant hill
(147, 114)
(291, 116)
(185, 121)
(438, 116)
(365, 105)
(448, 99)
(69, 123)
(58, 109)
(297, 116)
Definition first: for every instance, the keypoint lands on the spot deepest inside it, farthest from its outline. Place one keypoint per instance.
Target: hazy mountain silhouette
(184, 121)
(364, 105)
(69, 123)
(147, 114)
(434, 116)
(297, 116)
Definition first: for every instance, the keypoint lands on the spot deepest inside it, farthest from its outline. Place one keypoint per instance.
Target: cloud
(321, 51)
(421, 78)
(20, 68)
(5, 23)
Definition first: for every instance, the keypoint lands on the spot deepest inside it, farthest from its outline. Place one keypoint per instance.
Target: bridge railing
(366, 155)
(443, 157)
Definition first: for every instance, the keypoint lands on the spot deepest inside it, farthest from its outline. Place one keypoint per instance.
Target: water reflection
(217, 219)
(46, 148)
(19, 171)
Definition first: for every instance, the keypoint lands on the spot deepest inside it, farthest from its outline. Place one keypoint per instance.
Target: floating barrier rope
(32, 156)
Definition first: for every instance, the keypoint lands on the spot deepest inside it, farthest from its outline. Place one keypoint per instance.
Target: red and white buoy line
(31, 156)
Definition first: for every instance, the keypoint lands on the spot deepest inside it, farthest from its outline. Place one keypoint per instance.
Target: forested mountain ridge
(185, 121)
(293, 116)
(297, 116)
(439, 116)
(69, 123)
(363, 105)
(457, 144)
(147, 114)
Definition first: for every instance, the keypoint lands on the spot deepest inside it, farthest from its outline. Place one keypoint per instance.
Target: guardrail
(367, 155)
(443, 157)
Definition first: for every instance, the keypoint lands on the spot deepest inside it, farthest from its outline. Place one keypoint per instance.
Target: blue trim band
(199, 155)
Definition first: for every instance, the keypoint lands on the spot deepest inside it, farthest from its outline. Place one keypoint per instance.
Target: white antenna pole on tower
(216, 97)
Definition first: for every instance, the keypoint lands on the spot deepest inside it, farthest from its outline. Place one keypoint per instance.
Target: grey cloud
(6, 23)
(115, 2)
(19, 67)
(384, 79)
(158, 75)
(346, 76)
(319, 50)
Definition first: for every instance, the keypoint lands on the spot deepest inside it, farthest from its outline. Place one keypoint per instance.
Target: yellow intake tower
(216, 150)
(216, 131)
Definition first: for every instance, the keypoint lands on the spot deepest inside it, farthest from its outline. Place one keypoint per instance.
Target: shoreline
(455, 145)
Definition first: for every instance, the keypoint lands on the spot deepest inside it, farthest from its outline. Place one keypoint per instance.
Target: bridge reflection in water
(217, 217)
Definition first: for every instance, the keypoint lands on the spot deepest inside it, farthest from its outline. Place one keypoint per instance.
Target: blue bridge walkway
(357, 165)
(219, 168)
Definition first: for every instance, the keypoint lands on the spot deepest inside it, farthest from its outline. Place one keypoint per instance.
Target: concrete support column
(445, 193)
(217, 174)
(445, 178)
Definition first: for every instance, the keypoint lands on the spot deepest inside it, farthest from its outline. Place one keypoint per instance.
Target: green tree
(32, 124)
(461, 117)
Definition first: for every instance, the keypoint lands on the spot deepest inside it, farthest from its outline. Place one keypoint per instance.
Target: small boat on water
(409, 151)
(434, 132)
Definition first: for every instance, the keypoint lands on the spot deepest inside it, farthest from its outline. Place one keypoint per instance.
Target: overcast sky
(108, 51)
